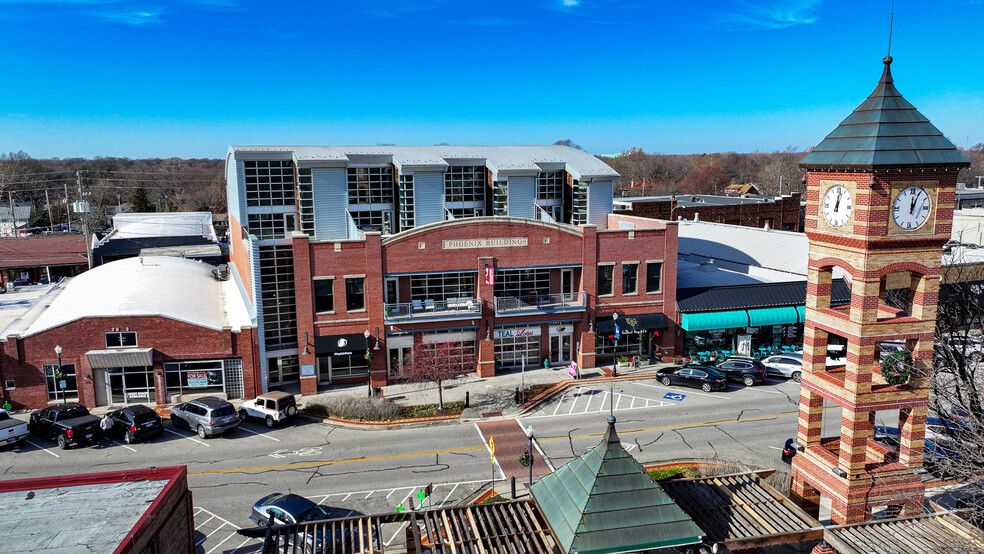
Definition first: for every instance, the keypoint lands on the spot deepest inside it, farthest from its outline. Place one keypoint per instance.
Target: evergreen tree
(140, 203)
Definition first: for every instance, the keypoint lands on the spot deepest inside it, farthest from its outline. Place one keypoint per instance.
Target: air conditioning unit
(221, 273)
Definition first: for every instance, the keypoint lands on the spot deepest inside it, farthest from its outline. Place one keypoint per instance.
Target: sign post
(492, 459)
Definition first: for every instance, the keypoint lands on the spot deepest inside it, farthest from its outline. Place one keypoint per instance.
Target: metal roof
(604, 501)
(884, 131)
(741, 511)
(708, 299)
(580, 164)
(940, 532)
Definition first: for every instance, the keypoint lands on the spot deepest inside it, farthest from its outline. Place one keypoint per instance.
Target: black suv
(743, 370)
(136, 423)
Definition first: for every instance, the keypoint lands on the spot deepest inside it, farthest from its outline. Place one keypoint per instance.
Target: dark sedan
(743, 370)
(700, 377)
(137, 423)
(287, 508)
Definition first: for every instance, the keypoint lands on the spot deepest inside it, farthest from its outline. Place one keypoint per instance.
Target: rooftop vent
(221, 273)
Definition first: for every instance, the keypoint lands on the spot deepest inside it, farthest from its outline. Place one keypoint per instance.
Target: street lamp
(529, 431)
(59, 376)
(368, 363)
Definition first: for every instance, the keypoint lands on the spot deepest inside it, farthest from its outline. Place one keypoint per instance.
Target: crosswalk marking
(589, 400)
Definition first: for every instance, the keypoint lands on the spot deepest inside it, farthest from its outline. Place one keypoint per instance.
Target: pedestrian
(106, 424)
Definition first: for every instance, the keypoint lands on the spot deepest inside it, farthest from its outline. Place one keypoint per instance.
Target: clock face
(837, 205)
(911, 208)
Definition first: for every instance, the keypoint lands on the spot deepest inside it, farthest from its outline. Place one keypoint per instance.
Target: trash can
(377, 392)
(635, 362)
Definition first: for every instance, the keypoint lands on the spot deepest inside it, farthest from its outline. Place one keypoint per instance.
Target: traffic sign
(674, 396)
(492, 448)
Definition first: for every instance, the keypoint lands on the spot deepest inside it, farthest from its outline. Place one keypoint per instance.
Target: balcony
(452, 308)
(540, 303)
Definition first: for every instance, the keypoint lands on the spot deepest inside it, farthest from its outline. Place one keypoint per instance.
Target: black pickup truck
(67, 424)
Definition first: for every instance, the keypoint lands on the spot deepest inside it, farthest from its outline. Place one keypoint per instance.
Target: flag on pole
(616, 331)
(490, 276)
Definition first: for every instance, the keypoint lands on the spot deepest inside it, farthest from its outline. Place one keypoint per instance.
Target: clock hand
(912, 206)
(838, 203)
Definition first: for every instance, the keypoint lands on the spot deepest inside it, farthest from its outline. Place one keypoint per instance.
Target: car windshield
(223, 411)
(714, 373)
(315, 513)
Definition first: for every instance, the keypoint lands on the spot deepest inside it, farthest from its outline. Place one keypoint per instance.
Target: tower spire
(891, 20)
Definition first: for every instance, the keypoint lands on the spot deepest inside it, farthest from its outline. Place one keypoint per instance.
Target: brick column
(374, 308)
(586, 355)
(304, 294)
(486, 327)
(860, 363)
(814, 348)
(912, 434)
(856, 429)
(925, 295)
(810, 427)
(804, 495)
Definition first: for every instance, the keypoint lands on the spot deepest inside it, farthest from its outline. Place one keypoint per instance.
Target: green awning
(705, 321)
(761, 317)
(801, 314)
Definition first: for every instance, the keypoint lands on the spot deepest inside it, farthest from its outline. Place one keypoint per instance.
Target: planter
(624, 365)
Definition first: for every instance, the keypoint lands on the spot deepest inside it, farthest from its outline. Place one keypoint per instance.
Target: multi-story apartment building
(351, 256)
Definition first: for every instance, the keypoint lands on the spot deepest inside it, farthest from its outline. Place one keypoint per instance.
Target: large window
(627, 343)
(355, 297)
(407, 218)
(194, 377)
(654, 272)
(550, 185)
(521, 282)
(271, 226)
(514, 346)
(464, 184)
(605, 275)
(269, 183)
(370, 185)
(461, 347)
(500, 198)
(277, 294)
(53, 379)
(579, 209)
(441, 286)
(342, 365)
(629, 278)
(324, 295)
(305, 201)
(373, 220)
(121, 340)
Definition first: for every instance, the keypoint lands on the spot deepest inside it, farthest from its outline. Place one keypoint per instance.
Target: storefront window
(129, 385)
(194, 377)
(764, 340)
(627, 343)
(52, 379)
(342, 365)
(513, 345)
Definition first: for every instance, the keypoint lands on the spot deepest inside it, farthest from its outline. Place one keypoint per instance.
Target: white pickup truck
(12, 430)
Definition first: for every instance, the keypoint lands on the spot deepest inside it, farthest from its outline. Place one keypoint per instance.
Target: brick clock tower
(880, 196)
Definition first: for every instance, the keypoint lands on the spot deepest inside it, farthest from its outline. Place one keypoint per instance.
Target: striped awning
(124, 357)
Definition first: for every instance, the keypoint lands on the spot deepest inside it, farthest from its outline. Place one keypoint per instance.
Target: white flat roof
(167, 224)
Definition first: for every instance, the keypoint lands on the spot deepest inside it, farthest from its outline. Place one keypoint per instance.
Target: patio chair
(429, 304)
(417, 306)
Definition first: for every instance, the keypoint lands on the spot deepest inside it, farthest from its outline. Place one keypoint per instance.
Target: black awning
(762, 295)
(354, 343)
(633, 324)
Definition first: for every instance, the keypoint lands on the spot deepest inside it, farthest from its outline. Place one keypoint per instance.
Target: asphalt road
(367, 471)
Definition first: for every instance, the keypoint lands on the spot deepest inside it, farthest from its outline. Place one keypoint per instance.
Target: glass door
(567, 283)
(560, 349)
(129, 385)
(397, 357)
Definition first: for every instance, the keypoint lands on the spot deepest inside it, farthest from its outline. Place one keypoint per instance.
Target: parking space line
(689, 392)
(559, 402)
(42, 448)
(370, 494)
(258, 433)
(187, 437)
(241, 545)
(125, 446)
(603, 398)
(204, 522)
(397, 534)
(390, 493)
(347, 496)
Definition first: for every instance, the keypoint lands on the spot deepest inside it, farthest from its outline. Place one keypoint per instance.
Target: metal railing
(432, 308)
(540, 302)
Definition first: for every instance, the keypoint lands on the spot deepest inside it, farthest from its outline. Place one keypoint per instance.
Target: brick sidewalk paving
(510, 442)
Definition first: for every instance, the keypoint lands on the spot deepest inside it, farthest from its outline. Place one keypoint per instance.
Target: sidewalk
(490, 397)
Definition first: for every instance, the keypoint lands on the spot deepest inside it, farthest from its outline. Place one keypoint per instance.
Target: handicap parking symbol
(674, 396)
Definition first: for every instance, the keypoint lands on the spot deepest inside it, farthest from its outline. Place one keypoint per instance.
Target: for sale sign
(197, 379)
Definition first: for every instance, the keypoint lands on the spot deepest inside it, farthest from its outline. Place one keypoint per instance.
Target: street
(365, 471)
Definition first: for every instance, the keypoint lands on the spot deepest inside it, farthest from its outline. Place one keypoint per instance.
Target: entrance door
(560, 348)
(130, 385)
(392, 291)
(100, 388)
(567, 283)
(397, 357)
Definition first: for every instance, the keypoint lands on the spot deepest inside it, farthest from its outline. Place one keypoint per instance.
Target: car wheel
(243, 415)
(706, 387)
(201, 432)
(269, 421)
(748, 380)
(62, 443)
(665, 381)
(128, 437)
(291, 411)
(797, 376)
(175, 422)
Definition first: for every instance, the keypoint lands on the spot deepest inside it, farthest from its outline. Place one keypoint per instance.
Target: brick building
(138, 330)
(775, 212)
(36, 258)
(355, 255)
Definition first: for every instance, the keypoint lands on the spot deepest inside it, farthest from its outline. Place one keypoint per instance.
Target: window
(120, 340)
(550, 185)
(53, 378)
(521, 282)
(278, 296)
(305, 201)
(579, 211)
(373, 220)
(605, 275)
(629, 277)
(500, 198)
(370, 185)
(406, 202)
(654, 271)
(441, 286)
(194, 377)
(9, 384)
(324, 295)
(271, 226)
(269, 183)
(355, 298)
(464, 184)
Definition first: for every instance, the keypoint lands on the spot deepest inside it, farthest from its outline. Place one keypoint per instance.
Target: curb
(532, 403)
(378, 425)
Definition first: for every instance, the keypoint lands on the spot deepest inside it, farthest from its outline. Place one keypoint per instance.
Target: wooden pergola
(939, 533)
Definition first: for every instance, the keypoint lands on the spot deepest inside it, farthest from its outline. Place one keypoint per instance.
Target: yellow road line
(302, 465)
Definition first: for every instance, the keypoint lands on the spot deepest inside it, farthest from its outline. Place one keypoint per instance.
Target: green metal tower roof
(884, 131)
(605, 502)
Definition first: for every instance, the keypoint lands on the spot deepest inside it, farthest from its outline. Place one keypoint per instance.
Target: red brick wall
(239, 255)
(783, 212)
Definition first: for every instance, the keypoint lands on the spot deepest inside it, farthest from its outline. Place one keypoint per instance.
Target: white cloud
(570, 3)
(773, 14)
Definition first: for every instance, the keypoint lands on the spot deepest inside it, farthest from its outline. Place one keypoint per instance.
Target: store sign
(562, 329)
(523, 332)
(485, 243)
(143, 394)
(197, 379)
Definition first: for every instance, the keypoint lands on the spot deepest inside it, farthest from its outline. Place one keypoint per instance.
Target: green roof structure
(885, 131)
(606, 502)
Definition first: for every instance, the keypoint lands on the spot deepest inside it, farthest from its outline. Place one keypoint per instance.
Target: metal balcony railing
(432, 308)
(540, 302)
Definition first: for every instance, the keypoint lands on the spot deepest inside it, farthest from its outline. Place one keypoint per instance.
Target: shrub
(493, 498)
(431, 409)
(665, 473)
(352, 407)
(677, 361)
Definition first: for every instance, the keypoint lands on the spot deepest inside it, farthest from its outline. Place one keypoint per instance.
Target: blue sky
(155, 78)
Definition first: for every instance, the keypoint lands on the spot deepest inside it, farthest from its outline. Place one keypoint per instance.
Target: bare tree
(708, 179)
(437, 364)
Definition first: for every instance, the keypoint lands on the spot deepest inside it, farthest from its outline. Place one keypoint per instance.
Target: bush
(494, 498)
(677, 361)
(352, 407)
(672, 472)
(427, 410)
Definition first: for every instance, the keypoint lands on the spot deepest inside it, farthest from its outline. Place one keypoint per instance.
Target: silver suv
(207, 416)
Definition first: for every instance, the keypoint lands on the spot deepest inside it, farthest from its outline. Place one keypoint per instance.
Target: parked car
(701, 377)
(21, 283)
(207, 416)
(67, 424)
(136, 423)
(788, 451)
(742, 370)
(272, 407)
(43, 281)
(280, 508)
(789, 366)
(12, 431)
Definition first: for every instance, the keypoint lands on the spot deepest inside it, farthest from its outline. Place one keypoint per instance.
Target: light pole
(368, 363)
(529, 431)
(58, 375)
(523, 378)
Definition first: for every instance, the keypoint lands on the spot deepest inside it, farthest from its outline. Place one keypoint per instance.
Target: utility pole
(13, 217)
(68, 211)
(979, 177)
(51, 222)
(83, 208)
